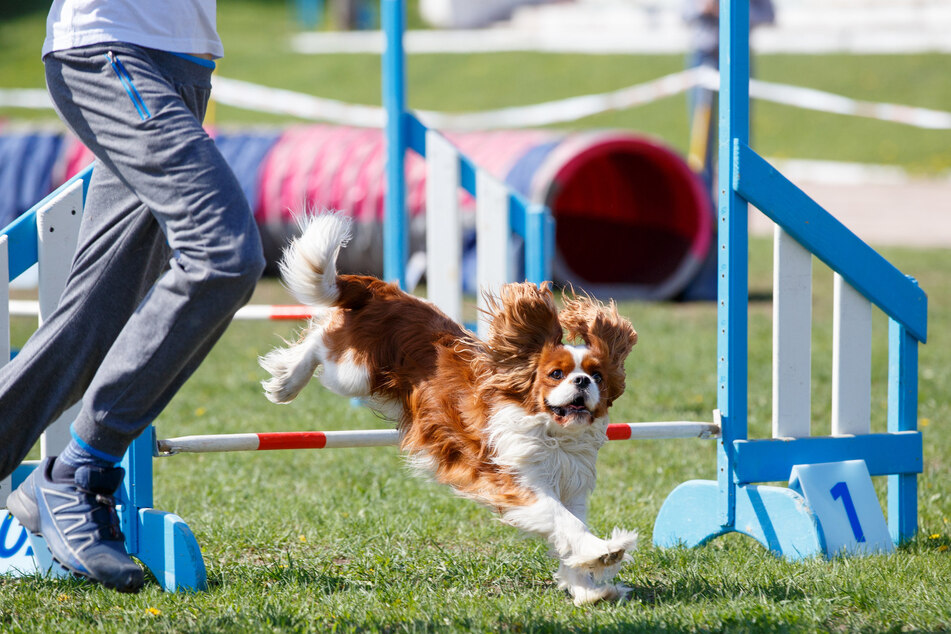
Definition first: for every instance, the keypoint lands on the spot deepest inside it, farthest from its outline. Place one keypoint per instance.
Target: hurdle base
(168, 548)
(171, 552)
(776, 517)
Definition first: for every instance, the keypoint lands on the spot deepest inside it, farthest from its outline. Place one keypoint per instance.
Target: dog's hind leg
(291, 368)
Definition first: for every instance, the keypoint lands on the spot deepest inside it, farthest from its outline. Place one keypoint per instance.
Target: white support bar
(279, 441)
(391, 437)
(208, 444)
(792, 337)
(851, 361)
(57, 231)
(443, 226)
(667, 430)
(493, 257)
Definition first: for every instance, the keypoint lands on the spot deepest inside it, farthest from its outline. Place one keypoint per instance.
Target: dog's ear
(523, 319)
(599, 326)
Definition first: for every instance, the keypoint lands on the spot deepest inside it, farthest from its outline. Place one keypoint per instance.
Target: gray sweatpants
(168, 251)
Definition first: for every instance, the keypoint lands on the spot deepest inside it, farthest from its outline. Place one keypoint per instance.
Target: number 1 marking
(841, 490)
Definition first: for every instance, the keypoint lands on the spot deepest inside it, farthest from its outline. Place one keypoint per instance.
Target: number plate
(843, 498)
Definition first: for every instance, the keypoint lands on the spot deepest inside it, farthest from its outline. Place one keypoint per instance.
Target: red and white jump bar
(391, 437)
(31, 308)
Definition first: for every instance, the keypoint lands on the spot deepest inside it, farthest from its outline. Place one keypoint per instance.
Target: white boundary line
(251, 96)
(641, 38)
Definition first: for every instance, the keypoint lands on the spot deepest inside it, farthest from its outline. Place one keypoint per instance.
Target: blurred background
(853, 103)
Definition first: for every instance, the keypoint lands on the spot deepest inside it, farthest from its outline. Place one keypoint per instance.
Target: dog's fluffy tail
(309, 265)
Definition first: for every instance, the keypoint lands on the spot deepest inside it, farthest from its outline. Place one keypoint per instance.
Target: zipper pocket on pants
(126, 79)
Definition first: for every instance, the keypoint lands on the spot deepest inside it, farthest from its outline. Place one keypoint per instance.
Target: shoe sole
(27, 513)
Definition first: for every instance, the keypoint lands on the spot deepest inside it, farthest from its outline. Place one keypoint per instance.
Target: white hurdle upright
(48, 239)
(792, 337)
(57, 224)
(792, 341)
(495, 255)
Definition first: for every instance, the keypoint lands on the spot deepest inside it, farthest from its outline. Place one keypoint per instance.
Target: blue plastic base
(776, 517)
(170, 550)
(167, 546)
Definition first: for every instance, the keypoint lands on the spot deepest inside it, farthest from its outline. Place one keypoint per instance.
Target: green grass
(349, 540)
(256, 36)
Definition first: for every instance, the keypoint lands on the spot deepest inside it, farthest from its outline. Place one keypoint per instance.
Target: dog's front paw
(612, 558)
(598, 554)
(584, 590)
(586, 596)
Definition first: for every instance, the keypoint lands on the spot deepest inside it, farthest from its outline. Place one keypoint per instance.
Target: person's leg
(107, 281)
(139, 112)
(158, 148)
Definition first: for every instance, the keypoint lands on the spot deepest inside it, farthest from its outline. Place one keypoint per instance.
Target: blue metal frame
(533, 222)
(395, 220)
(698, 511)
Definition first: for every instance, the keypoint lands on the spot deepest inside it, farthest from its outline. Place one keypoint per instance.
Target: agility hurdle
(778, 517)
(46, 235)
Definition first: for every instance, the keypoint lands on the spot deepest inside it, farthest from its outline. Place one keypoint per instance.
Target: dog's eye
(556, 374)
(596, 377)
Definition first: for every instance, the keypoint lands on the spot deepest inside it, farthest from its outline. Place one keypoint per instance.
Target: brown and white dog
(514, 422)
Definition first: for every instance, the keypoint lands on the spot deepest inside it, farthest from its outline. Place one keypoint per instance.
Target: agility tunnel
(632, 220)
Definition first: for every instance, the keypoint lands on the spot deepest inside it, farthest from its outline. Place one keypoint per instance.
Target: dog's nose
(582, 381)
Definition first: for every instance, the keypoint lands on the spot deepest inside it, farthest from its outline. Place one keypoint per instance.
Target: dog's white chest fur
(547, 457)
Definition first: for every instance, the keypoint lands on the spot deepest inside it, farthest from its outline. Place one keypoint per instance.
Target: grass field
(350, 541)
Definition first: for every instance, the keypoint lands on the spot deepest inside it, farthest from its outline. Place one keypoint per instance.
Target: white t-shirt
(176, 26)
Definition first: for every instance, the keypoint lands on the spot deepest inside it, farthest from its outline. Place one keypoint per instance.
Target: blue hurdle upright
(698, 511)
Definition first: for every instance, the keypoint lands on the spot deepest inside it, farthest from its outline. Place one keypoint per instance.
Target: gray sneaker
(79, 523)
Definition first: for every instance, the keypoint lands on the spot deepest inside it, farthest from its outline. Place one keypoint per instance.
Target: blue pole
(395, 222)
(732, 267)
(309, 13)
(537, 257)
(902, 416)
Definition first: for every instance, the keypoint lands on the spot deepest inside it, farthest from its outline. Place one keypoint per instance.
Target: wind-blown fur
(513, 422)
